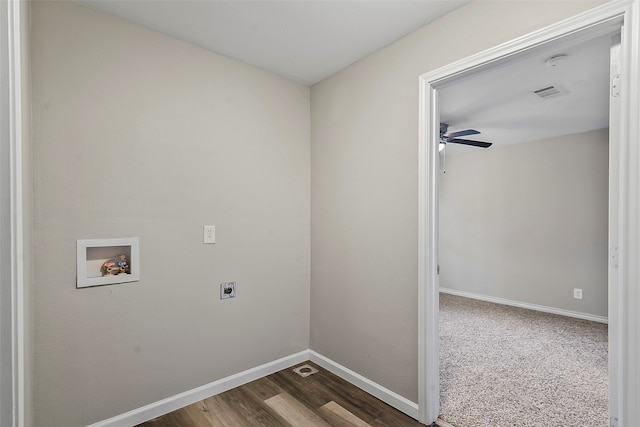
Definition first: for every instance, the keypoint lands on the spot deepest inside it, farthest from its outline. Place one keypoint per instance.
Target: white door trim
(615, 168)
(624, 319)
(11, 218)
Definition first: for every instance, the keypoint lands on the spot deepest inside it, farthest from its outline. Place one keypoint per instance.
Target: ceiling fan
(452, 138)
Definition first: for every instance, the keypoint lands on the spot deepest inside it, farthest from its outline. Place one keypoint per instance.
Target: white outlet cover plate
(209, 234)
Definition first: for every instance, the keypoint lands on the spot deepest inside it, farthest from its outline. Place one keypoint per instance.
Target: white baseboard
(181, 400)
(552, 310)
(387, 396)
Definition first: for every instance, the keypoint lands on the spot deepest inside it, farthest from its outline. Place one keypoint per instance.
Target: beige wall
(137, 134)
(528, 222)
(364, 188)
(27, 213)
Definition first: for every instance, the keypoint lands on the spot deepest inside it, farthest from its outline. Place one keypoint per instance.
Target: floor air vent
(305, 370)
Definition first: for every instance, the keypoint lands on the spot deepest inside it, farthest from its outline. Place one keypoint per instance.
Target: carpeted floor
(503, 366)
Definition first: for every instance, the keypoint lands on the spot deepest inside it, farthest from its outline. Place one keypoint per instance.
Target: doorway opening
(623, 240)
(522, 223)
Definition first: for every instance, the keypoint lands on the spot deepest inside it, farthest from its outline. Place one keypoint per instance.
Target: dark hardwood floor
(288, 399)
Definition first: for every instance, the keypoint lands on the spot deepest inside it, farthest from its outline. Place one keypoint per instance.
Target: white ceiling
(500, 104)
(303, 40)
(308, 40)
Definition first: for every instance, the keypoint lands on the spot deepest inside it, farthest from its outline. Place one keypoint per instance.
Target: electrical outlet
(209, 235)
(577, 293)
(227, 290)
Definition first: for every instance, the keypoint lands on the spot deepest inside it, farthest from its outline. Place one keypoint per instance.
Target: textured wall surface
(137, 134)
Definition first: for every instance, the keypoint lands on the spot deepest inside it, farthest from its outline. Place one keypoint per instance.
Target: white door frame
(624, 296)
(11, 277)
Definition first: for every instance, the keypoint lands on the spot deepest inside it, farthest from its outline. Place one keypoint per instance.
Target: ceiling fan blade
(470, 142)
(460, 133)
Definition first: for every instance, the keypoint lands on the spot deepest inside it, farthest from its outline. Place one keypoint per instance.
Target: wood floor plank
(323, 387)
(359, 402)
(294, 412)
(286, 399)
(220, 413)
(252, 410)
(340, 417)
(264, 388)
(308, 388)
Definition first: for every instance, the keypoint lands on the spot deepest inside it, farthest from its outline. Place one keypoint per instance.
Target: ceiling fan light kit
(452, 137)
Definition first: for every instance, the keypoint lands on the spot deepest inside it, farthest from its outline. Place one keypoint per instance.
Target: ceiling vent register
(548, 92)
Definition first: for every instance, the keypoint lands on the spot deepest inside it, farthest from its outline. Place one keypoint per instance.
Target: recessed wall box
(107, 262)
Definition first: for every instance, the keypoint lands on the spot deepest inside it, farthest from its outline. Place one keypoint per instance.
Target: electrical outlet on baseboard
(577, 293)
